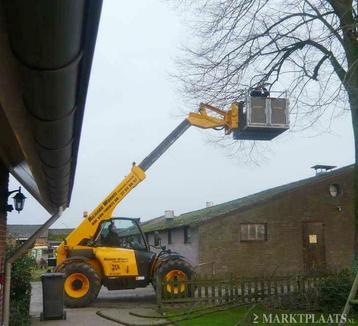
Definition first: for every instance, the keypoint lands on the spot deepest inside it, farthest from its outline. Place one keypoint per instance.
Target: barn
(305, 226)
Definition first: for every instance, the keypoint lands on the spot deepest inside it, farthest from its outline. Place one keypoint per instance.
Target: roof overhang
(46, 52)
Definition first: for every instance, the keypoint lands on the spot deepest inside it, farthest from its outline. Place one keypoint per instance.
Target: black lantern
(19, 201)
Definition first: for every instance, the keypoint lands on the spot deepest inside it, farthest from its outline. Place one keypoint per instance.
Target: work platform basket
(263, 118)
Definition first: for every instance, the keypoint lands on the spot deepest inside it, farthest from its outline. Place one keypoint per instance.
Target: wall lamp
(19, 201)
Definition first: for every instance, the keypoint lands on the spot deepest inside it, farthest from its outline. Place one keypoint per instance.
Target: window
(335, 190)
(253, 232)
(187, 234)
(169, 236)
(120, 233)
(156, 239)
(312, 238)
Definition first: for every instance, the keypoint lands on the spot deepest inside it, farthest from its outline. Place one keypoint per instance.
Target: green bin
(52, 296)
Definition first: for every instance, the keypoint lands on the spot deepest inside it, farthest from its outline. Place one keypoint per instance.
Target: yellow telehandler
(110, 251)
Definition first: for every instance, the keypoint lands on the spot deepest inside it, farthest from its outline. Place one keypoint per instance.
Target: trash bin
(52, 296)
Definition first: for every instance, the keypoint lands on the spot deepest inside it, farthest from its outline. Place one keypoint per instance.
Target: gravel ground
(116, 304)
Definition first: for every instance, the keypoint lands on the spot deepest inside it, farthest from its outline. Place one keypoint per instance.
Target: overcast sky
(132, 104)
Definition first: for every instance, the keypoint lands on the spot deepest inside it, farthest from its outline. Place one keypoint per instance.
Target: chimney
(209, 204)
(322, 169)
(169, 214)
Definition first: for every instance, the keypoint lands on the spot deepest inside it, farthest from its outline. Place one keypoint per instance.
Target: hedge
(20, 290)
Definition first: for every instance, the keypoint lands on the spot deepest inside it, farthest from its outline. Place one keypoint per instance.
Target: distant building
(304, 226)
(19, 233)
(44, 245)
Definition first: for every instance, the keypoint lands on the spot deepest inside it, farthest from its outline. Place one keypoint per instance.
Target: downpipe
(7, 294)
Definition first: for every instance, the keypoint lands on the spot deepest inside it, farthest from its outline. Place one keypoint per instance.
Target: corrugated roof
(23, 230)
(201, 215)
(58, 234)
(27, 230)
(59, 231)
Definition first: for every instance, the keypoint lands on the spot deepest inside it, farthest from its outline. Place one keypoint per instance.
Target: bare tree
(309, 47)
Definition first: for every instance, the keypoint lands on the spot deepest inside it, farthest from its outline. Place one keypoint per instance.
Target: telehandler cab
(113, 251)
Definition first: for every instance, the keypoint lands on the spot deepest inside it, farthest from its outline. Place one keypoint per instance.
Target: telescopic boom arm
(201, 119)
(228, 120)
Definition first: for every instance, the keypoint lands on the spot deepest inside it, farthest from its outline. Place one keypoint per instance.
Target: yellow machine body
(117, 261)
(88, 264)
(88, 228)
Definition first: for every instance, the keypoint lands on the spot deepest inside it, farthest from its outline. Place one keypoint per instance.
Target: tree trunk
(353, 100)
(4, 180)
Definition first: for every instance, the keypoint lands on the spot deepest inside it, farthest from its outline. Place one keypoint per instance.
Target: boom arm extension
(201, 119)
(87, 229)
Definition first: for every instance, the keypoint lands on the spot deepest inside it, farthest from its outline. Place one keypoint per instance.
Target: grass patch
(36, 274)
(258, 315)
(222, 318)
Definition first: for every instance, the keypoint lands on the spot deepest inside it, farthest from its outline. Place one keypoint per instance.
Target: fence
(213, 290)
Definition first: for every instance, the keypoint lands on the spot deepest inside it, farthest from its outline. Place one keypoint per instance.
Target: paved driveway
(116, 304)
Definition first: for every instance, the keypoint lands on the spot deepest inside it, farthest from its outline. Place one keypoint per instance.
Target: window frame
(135, 222)
(253, 240)
(335, 187)
(187, 234)
(169, 237)
(156, 240)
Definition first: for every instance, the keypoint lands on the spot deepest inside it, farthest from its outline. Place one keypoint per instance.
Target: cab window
(121, 233)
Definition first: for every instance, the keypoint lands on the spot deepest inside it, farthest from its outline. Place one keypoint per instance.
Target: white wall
(188, 250)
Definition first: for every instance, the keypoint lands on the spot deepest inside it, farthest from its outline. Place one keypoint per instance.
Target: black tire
(93, 285)
(166, 268)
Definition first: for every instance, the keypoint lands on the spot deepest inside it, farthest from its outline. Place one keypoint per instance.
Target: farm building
(44, 245)
(51, 238)
(19, 233)
(304, 226)
(22, 232)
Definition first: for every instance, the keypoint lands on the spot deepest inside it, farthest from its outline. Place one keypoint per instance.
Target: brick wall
(282, 252)
(4, 180)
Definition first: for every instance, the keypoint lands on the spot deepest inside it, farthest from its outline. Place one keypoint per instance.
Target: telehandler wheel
(176, 273)
(82, 285)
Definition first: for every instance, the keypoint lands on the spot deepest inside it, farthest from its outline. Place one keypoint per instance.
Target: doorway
(314, 249)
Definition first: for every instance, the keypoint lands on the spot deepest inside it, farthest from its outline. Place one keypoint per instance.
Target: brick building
(303, 226)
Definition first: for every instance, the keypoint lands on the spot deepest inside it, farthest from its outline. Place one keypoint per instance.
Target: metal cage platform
(262, 118)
